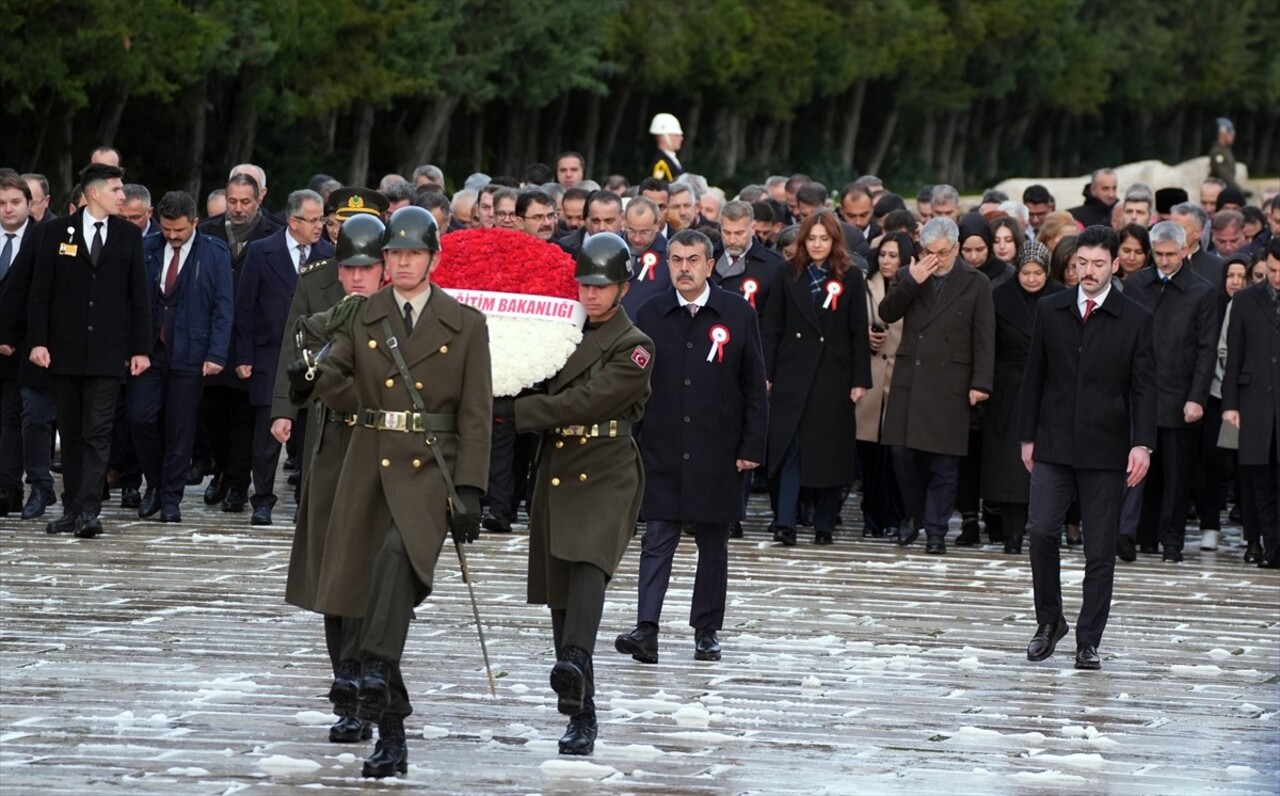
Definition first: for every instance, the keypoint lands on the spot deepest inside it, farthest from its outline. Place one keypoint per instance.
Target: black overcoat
(708, 409)
(1251, 383)
(649, 277)
(763, 270)
(814, 357)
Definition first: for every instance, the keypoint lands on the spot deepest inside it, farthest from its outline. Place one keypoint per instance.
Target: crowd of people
(905, 352)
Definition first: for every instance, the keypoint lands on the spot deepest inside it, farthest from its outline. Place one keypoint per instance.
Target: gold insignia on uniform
(312, 267)
(355, 202)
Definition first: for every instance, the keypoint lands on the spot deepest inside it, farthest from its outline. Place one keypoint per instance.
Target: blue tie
(6, 254)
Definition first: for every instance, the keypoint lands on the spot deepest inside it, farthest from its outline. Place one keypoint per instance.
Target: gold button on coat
(555, 482)
(582, 440)
(559, 443)
(417, 463)
(373, 343)
(417, 385)
(386, 462)
(582, 477)
(444, 349)
(391, 383)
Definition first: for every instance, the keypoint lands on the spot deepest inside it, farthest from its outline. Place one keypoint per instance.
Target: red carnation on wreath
(525, 288)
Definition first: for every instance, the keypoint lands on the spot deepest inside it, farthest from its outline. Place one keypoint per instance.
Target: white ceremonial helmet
(665, 124)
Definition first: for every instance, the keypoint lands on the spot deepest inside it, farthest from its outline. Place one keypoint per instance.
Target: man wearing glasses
(263, 296)
(504, 208)
(642, 225)
(536, 214)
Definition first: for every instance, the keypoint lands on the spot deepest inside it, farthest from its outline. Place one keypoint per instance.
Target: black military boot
(641, 643)
(349, 729)
(374, 693)
(345, 689)
(580, 736)
(569, 679)
(391, 753)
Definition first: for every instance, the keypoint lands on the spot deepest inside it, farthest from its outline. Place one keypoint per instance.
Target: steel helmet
(665, 124)
(605, 259)
(412, 228)
(360, 240)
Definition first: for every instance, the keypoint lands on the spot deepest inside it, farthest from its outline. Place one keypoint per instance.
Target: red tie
(171, 277)
(1089, 304)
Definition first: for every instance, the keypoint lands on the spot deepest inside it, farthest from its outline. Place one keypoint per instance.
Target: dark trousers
(393, 592)
(1014, 517)
(881, 499)
(1167, 486)
(826, 500)
(124, 458)
(1131, 510)
(1212, 471)
(38, 414)
(576, 623)
(10, 435)
(928, 484)
(342, 638)
(508, 470)
(162, 407)
(710, 582)
(1101, 494)
(86, 413)
(266, 458)
(1260, 504)
(969, 476)
(227, 420)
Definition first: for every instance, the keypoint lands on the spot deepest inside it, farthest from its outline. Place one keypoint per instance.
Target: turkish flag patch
(641, 357)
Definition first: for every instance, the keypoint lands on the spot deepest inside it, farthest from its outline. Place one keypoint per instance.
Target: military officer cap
(412, 228)
(604, 259)
(360, 241)
(347, 202)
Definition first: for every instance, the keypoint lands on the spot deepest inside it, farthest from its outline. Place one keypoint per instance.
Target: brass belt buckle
(395, 421)
(573, 431)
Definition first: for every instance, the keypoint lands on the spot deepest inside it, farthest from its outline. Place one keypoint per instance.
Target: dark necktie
(408, 318)
(6, 254)
(171, 276)
(302, 257)
(1275, 304)
(1089, 304)
(95, 250)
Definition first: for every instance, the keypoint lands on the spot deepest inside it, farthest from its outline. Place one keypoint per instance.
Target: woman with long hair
(881, 501)
(1135, 250)
(818, 362)
(1006, 238)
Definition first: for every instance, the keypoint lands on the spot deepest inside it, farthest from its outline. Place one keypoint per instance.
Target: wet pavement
(161, 659)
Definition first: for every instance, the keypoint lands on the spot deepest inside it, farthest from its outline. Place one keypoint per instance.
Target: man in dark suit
(649, 276)
(604, 214)
(224, 436)
(1087, 418)
(944, 366)
(705, 430)
(263, 297)
(1193, 220)
(1099, 197)
(15, 229)
(88, 321)
(189, 279)
(1186, 327)
(1249, 402)
(742, 265)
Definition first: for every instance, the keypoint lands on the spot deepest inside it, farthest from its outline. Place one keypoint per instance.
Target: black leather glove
(464, 520)
(504, 408)
(299, 387)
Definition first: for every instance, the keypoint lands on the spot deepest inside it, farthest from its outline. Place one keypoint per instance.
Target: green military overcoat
(587, 489)
(392, 476)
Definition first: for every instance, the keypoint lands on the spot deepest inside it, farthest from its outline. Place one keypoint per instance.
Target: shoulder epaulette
(313, 267)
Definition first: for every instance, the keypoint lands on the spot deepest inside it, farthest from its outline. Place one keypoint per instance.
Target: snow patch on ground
(660, 702)
(1077, 760)
(982, 737)
(635, 751)
(284, 765)
(187, 772)
(313, 718)
(1050, 777)
(1241, 772)
(693, 715)
(576, 769)
(431, 732)
(1195, 671)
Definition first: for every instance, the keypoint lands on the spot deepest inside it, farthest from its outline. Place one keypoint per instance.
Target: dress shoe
(492, 523)
(705, 646)
(823, 538)
(1125, 549)
(88, 526)
(64, 524)
(196, 474)
(580, 736)
(345, 689)
(1087, 657)
(1013, 544)
(1270, 561)
(1149, 549)
(1209, 540)
(641, 643)
(36, 504)
(908, 534)
(1172, 555)
(1046, 639)
(150, 504)
(261, 516)
(170, 514)
(569, 680)
(1234, 514)
(994, 524)
(374, 693)
(1074, 538)
(735, 531)
(936, 545)
(10, 501)
(1253, 552)
(234, 501)
(130, 498)
(785, 536)
(56, 467)
(970, 534)
(294, 479)
(391, 753)
(215, 492)
(349, 729)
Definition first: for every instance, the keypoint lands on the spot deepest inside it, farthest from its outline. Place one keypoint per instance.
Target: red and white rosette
(750, 288)
(648, 266)
(832, 301)
(719, 335)
(526, 290)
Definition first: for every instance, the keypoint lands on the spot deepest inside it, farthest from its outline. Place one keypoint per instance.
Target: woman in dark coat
(818, 363)
(1004, 477)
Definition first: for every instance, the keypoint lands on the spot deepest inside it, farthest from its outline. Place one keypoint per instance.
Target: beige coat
(392, 476)
(871, 407)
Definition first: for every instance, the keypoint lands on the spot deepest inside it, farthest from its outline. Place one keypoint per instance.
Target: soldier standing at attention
(589, 478)
(1222, 161)
(413, 365)
(668, 136)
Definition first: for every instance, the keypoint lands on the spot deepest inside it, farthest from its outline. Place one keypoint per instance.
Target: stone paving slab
(162, 659)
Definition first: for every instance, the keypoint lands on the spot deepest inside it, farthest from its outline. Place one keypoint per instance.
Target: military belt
(420, 422)
(612, 428)
(331, 416)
